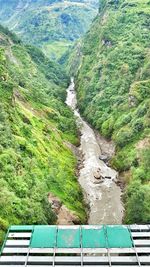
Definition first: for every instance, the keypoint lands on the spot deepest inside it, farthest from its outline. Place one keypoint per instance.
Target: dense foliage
(113, 86)
(35, 125)
(52, 25)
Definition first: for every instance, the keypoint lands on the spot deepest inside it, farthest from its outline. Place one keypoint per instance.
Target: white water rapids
(102, 193)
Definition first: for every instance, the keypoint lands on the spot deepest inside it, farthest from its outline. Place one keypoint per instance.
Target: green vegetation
(113, 86)
(35, 125)
(71, 59)
(56, 49)
(52, 25)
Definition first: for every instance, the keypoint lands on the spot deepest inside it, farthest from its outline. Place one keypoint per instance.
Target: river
(97, 180)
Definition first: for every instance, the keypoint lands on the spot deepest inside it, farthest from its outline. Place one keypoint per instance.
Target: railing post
(137, 257)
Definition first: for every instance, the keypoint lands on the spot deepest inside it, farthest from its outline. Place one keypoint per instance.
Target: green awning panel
(21, 228)
(118, 237)
(93, 237)
(107, 236)
(68, 238)
(43, 237)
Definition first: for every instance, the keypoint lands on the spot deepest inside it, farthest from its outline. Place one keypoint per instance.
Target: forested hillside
(35, 125)
(52, 25)
(113, 86)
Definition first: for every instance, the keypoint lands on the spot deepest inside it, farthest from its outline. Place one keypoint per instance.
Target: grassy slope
(44, 23)
(113, 86)
(34, 125)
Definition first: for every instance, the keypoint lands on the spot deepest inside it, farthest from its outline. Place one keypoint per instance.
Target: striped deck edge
(70, 246)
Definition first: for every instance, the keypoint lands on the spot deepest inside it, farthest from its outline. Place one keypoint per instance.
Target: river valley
(98, 181)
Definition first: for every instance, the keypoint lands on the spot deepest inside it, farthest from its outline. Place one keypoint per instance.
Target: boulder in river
(104, 158)
(97, 174)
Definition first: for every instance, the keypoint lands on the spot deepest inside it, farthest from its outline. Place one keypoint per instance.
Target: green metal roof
(43, 237)
(68, 238)
(94, 237)
(118, 237)
(105, 236)
(75, 237)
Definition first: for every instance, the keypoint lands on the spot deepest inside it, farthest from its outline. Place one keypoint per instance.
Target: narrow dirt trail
(97, 180)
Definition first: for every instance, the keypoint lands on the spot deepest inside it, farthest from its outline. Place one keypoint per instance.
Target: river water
(97, 180)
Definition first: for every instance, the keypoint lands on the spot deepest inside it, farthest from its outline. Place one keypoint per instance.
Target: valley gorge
(74, 152)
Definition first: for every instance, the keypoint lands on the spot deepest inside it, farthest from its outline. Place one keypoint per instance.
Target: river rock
(97, 174)
(104, 158)
(107, 177)
(64, 215)
(55, 203)
(98, 181)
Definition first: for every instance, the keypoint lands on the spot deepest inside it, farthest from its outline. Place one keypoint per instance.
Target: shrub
(123, 120)
(137, 203)
(123, 137)
(137, 126)
(107, 127)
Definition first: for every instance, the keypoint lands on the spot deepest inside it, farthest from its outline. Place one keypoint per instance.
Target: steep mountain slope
(50, 24)
(35, 126)
(113, 86)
